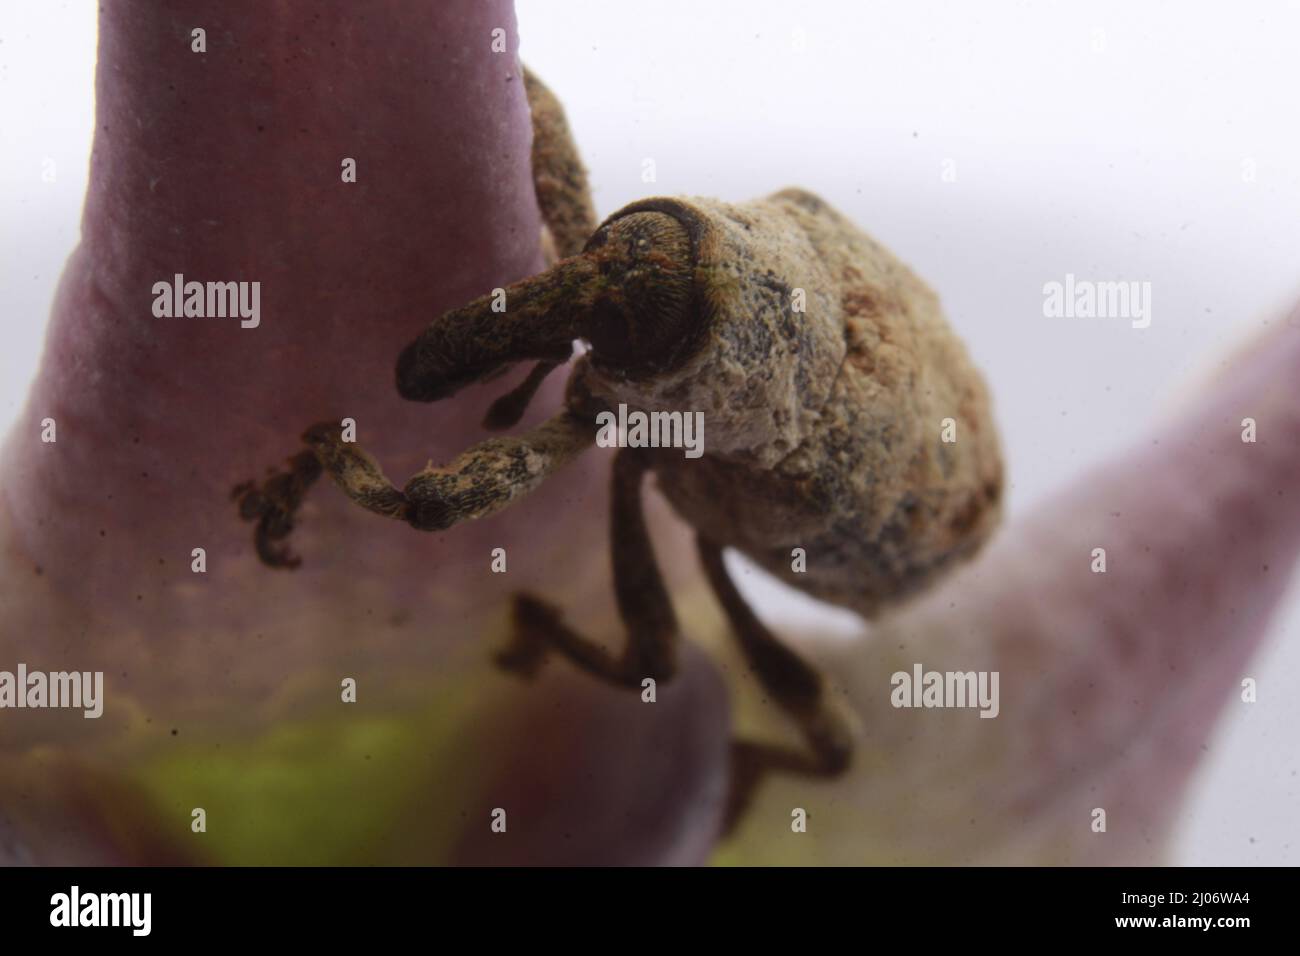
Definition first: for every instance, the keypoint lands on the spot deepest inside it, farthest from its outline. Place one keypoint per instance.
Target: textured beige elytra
(823, 428)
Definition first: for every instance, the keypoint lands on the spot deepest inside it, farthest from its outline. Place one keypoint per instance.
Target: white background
(1104, 139)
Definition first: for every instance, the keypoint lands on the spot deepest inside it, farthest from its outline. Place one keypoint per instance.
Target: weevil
(845, 419)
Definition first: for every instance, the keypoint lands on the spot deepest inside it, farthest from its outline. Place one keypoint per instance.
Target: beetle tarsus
(274, 505)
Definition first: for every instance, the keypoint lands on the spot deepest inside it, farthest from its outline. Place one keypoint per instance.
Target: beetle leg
(481, 480)
(509, 408)
(559, 179)
(797, 688)
(273, 506)
(751, 762)
(644, 606)
(564, 200)
(540, 317)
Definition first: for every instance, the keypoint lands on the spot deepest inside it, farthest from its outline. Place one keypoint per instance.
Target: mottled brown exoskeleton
(843, 418)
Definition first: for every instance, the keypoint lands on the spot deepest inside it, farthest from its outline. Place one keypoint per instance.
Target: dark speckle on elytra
(103, 533)
(175, 731)
(39, 570)
(261, 128)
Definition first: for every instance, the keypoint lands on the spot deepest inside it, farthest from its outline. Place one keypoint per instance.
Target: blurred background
(995, 147)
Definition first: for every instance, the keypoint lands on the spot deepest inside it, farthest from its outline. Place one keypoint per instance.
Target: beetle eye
(643, 310)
